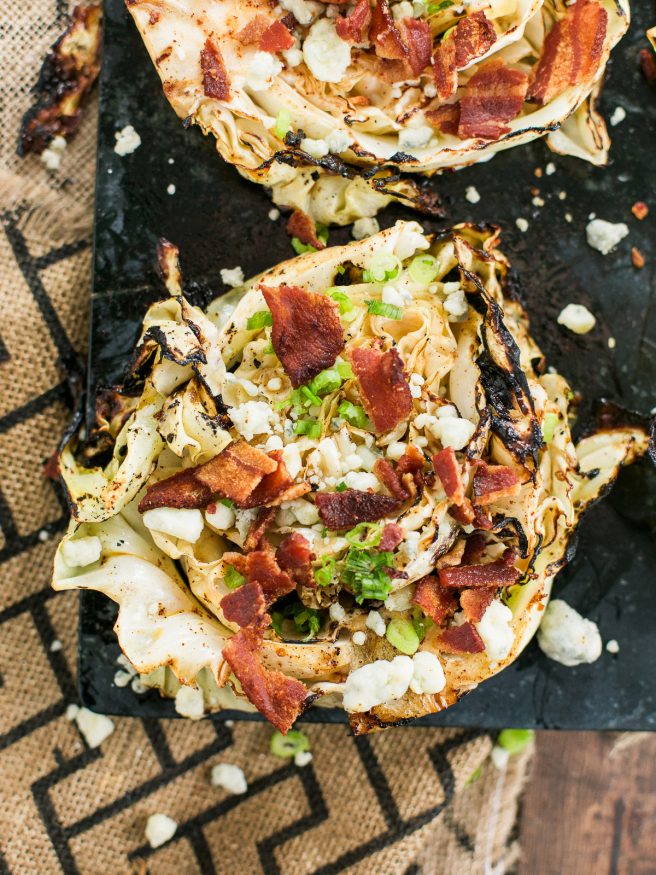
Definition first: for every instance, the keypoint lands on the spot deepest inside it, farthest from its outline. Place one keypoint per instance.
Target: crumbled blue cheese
(365, 228)
(450, 430)
(402, 10)
(472, 195)
(183, 523)
(395, 450)
(337, 613)
(127, 141)
(159, 829)
(326, 55)
(233, 277)
(612, 646)
(189, 703)
(291, 456)
(416, 381)
(359, 638)
(567, 637)
(361, 480)
(52, 155)
(376, 623)
(304, 511)
(170, 189)
(550, 169)
(230, 777)
(94, 727)
(302, 758)
(390, 295)
(604, 236)
(274, 214)
(522, 224)
(619, 114)
(56, 646)
(401, 599)
(303, 12)
(410, 240)
(293, 57)
(262, 70)
(315, 148)
(577, 318)
(427, 674)
(496, 631)
(338, 142)
(456, 305)
(253, 417)
(220, 518)
(376, 683)
(80, 552)
(415, 138)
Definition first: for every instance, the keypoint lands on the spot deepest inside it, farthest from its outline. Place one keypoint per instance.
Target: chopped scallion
(309, 396)
(228, 502)
(324, 575)
(421, 623)
(365, 573)
(353, 414)
(342, 299)
(233, 579)
(515, 740)
(341, 487)
(301, 248)
(283, 123)
(259, 320)
(549, 424)
(401, 634)
(383, 266)
(423, 269)
(345, 370)
(287, 746)
(389, 311)
(309, 427)
(434, 8)
(365, 535)
(326, 382)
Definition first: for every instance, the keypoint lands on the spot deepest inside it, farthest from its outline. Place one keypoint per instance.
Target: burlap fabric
(393, 803)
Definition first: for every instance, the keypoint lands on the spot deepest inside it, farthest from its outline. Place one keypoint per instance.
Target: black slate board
(219, 220)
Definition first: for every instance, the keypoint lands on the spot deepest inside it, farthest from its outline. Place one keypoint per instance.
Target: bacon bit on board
(215, 77)
(470, 39)
(640, 210)
(302, 226)
(307, 333)
(279, 698)
(498, 573)
(343, 510)
(445, 118)
(244, 605)
(571, 53)
(393, 534)
(354, 27)
(461, 639)
(264, 519)
(435, 601)
(494, 96)
(474, 603)
(494, 482)
(447, 469)
(637, 258)
(383, 385)
(385, 35)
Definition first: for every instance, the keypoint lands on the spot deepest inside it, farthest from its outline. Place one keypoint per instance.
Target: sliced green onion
(326, 382)
(310, 399)
(345, 370)
(423, 269)
(389, 311)
(515, 740)
(353, 414)
(287, 746)
(549, 424)
(383, 266)
(227, 501)
(259, 320)
(324, 575)
(341, 487)
(475, 775)
(322, 233)
(421, 623)
(301, 248)
(365, 573)
(341, 298)
(233, 579)
(268, 349)
(434, 8)
(358, 536)
(401, 634)
(341, 270)
(283, 123)
(309, 427)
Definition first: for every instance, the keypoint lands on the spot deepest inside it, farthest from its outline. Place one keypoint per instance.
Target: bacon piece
(236, 472)
(385, 35)
(260, 566)
(637, 258)
(474, 548)
(272, 484)
(343, 510)
(445, 118)
(495, 574)
(294, 552)
(215, 77)
(447, 469)
(494, 96)
(244, 605)
(435, 601)
(412, 461)
(474, 603)
(251, 34)
(354, 28)
(307, 333)
(390, 479)
(418, 38)
(648, 65)
(383, 385)
(279, 698)
(470, 39)
(462, 639)
(463, 513)
(265, 517)
(571, 53)
(302, 226)
(494, 482)
(640, 210)
(276, 38)
(179, 490)
(391, 537)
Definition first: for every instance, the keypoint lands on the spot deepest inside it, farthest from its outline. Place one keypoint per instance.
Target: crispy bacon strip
(215, 77)
(418, 38)
(494, 482)
(180, 490)
(307, 333)
(435, 601)
(572, 51)
(411, 462)
(302, 226)
(244, 605)
(494, 574)
(343, 510)
(385, 35)
(474, 603)
(355, 27)
(447, 469)
(260, 566)
(445, 118)
(390, 479)
(494, 96)
(391, 537)
(265, 517)
(474, 548)
(294, 552)
(462, 639)
(276, 38)
(279, 698)
(383, 385)
(272, 484)
(471, 38)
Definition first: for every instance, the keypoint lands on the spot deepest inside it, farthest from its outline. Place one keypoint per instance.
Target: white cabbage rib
(364, 136)
(169, 591)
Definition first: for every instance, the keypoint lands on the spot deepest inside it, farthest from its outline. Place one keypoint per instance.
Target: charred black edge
(522, 541)
(609, 415)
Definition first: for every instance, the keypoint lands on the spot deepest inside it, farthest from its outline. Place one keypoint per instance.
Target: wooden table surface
(590, 805)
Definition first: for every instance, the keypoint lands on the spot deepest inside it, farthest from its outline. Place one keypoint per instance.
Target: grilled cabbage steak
(351, 482)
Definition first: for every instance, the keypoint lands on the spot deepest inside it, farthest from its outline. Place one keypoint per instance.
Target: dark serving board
(219, 220)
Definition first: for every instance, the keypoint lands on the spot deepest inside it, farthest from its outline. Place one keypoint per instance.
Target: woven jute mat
(398, 802)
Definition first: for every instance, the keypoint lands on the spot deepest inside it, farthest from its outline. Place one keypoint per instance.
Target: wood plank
(590, 805)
